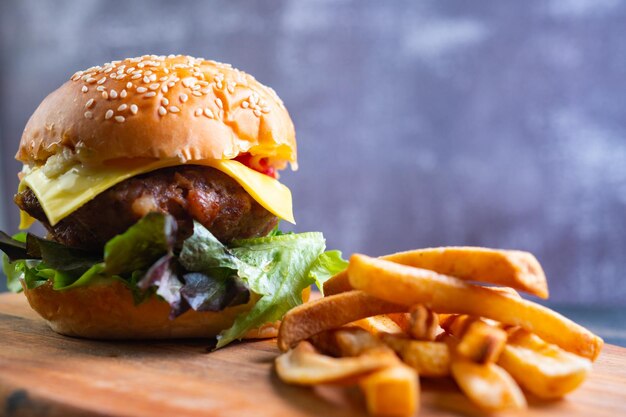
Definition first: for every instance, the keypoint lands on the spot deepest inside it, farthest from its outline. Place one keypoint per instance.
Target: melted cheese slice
(64, 194)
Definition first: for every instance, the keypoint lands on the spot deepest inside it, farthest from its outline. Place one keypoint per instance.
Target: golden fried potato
(392, 391)
(408, 286)
(542, 368)
(509, 268)
(303, 365)
(488, 386)
(430, 359)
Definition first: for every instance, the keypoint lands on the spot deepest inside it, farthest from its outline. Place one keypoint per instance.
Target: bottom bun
(107, 311)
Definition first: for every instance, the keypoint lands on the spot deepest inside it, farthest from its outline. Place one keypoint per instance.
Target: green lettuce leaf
(203, 252)
(14, 271)
(207, 293)
(326, 265)
(285, 262)
(141, 245)
(206, 275)
(13, 247)
(72, 262)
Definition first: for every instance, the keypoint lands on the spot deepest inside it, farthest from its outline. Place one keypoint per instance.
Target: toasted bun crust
(160, 107)
(107, 311)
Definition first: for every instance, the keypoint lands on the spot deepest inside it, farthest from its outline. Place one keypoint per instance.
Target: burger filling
(188, 193)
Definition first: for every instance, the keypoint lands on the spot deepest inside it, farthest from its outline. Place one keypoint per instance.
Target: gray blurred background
(419, 123)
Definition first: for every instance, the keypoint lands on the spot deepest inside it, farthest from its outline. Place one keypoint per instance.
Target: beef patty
(186, 192)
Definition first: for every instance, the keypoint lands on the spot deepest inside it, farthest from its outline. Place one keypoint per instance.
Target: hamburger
(157, 181)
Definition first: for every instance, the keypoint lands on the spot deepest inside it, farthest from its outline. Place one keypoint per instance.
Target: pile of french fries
(386, 322)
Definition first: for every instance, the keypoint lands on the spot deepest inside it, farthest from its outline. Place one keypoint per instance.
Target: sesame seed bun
(160, 107)
(108, 311)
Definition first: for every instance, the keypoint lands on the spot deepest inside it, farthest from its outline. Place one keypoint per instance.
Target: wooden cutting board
(42, 373)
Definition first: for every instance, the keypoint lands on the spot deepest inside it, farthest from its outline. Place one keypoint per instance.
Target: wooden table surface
(42, 373)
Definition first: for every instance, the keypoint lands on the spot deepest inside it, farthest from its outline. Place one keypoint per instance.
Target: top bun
(160, 107)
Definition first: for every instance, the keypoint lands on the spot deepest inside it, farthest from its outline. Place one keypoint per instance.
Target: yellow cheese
(64, 194)
(26, 220)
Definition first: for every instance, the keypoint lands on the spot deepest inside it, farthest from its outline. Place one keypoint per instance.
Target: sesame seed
(196, 87)
(164, 88)
(183, 98)
(196, 93)
(265, 109)
(105, 95)
(150, 94)
(164, 78)
(134, 77)
(149, 72)
(253, 98)
(88, 115)
(89, 103)
(219, 103)
(90, 80)
(113, 94)
(154, 86)
(208, 113)
(141, 89)
(165, 101)
(100, 88)
(174, 109)
(123, 93)
(257, 112)
(129, 85)
(171, 84)
(122, 107)
(219, 85)
(198, 111)
(120, 119)
(162, 111)
(245, 104)
(134, 109)
(108, 114)
(84, 89)
(101, 80)
(130, 70)
(153, 77)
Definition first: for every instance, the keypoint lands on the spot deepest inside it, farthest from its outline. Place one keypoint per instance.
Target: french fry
(346, 341)
(330, 312)
(541, 368)
(430, 359)
(408, 286)
(480, 340)
(424, 324)
(488, 386)
(355, 341)
(392, 391)
(482, 343)
(326, 343)
(403, 320)
(304, 366)
(509, 268)
(378, 324)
